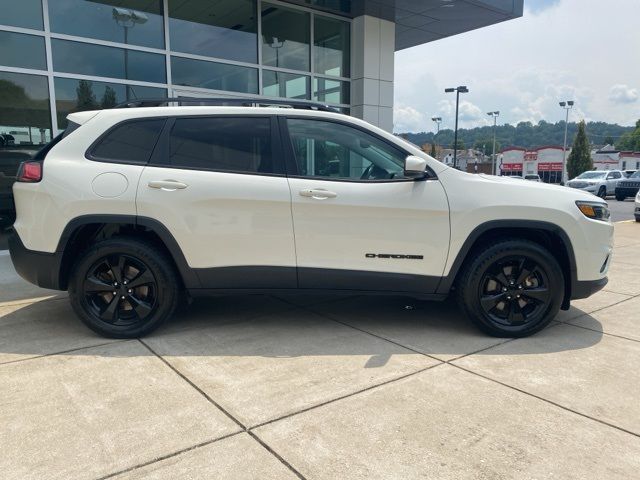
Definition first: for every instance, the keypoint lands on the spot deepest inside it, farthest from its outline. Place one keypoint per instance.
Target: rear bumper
(586, 288)
(40, 268)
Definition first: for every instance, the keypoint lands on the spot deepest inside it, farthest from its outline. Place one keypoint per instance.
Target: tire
(489, 299)
(602, 192)
(620, 198)
(123, 288)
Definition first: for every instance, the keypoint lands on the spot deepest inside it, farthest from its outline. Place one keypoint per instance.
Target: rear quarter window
(129, 142)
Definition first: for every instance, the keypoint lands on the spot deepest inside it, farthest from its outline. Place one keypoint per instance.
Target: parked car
(598, 182)
(144, 205)
(628, 187)
(533, 178)
(637, 210)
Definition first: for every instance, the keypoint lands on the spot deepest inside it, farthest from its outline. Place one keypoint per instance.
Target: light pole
(567, 106)
(437, 120)
(127, 19)
(493, 157)
(458, 90)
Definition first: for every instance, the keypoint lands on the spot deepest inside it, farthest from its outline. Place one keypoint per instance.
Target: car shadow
(268, 326)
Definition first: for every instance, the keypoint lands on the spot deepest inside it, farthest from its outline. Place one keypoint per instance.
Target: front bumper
(626, 191)
(40, 268)
(586, 288)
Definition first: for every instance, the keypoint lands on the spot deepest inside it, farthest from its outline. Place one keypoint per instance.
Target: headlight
(595, 210)
(638, 196)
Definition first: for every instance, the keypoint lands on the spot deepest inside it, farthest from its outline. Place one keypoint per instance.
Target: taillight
(30, 172)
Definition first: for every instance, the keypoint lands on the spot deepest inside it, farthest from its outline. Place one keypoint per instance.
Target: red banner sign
(550, 167)
(511, 166)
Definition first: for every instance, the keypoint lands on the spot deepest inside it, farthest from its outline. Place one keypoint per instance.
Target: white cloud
(623, 94)
(524, 67)
(469, 114)
(408, 119)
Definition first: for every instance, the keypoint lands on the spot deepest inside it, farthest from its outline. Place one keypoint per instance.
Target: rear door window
(129, 142)
(225, 144)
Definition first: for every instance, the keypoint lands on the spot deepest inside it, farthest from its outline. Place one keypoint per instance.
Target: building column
(372, 51)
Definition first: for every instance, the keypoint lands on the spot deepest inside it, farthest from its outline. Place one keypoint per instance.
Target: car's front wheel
(123, 288)
(620, 198)
(511, 289)
(602, 192)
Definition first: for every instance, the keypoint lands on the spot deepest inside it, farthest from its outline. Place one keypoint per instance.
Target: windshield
(588, 175)
(635, 174)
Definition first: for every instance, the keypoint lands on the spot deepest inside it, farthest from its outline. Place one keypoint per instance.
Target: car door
(612, 180)
(359, 223)
(217, 183)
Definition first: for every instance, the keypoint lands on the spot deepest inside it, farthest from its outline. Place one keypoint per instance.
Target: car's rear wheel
(602, 192)
(123, 288)
(511, 289)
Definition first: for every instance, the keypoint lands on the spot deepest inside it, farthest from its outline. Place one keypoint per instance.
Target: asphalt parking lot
(322, 388)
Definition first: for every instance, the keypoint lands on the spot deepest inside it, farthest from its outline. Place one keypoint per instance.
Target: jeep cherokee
(131, 208)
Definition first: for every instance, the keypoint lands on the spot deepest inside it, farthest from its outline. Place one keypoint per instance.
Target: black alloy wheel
(512, 288)
(120, 290)
(124, 287)
(602, 192)
(514, 291)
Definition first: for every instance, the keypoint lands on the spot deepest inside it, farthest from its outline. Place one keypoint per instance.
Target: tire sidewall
(471, 291)
(166, 287)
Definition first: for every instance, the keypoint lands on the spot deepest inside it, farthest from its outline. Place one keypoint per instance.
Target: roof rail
(227, 102)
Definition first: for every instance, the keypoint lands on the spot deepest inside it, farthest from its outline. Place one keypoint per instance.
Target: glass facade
(63, 56)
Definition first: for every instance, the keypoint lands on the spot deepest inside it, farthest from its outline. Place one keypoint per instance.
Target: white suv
(598, 182)
(132, 207)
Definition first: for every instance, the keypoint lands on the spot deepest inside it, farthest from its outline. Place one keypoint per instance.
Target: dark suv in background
(628, 187)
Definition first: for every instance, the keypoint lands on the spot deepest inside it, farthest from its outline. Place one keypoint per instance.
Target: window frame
(160, 157)
(89, 154)
(292, 164)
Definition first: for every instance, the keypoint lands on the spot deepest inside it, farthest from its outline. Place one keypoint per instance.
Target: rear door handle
(167, 185)
(318, 193)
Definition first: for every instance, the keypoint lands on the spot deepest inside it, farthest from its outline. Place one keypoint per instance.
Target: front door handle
(167, 185)
(318, 193)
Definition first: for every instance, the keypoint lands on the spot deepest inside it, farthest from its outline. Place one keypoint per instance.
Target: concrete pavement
(319, 387)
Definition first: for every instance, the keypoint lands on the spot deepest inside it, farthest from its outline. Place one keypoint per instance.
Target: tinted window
(333, 150)
(23, 13)
(89, 59)
(287, 85)
(131, 142)
(332, 42)
(19, 50)
(126, 21)
(213, 75)
(227, 144)
(215, 29)
(285, 38)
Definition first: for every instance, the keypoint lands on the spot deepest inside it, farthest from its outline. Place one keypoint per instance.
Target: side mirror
(415, 167)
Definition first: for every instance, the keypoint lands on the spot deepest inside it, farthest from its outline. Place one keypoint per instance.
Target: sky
(582, 50)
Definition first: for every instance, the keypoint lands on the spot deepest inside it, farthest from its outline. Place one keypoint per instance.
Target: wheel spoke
(93, 284)
(117, 270)
(540, 294)
(141, 307)
(523, 273)
(489, 302)
(109, 314)
(143, 278)
(515, 313)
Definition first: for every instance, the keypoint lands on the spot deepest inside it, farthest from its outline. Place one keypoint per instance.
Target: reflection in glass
(332, 46)
(79, 95)
(330, 91)
(125, 21)
(286, 85)
(216, 76)
(24, 108)
(285, 38)
(226, 29)
(21, 13)
(88, 59)
(20, 50)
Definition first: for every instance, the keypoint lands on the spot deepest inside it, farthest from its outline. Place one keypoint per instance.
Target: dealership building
(62, 56)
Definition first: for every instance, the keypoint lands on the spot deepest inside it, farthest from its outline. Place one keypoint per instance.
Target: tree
(433, 150)
(608, 140)
(86, 99)
(580, 157)
(109, 98)
(630, 141)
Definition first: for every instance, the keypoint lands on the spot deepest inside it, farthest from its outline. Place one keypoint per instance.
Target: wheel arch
(549, 235)
(88, 228)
